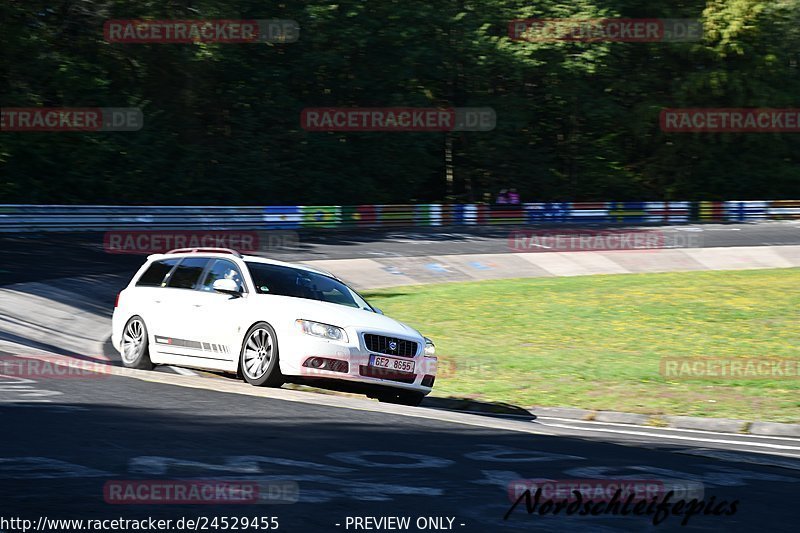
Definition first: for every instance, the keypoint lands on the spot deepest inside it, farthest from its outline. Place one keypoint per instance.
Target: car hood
(338, 315)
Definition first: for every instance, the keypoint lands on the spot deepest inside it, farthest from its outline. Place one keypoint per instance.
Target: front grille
(385, 373)
(381, 344)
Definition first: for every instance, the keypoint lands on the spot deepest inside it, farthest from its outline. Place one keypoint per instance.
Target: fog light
(322, 363)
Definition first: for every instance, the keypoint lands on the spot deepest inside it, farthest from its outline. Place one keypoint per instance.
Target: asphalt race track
(328, 463)
(37, 256)
(347, 459)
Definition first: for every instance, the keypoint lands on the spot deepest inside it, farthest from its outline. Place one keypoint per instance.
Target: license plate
(391, 363)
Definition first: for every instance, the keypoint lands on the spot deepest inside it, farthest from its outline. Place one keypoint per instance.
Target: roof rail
(205, 250)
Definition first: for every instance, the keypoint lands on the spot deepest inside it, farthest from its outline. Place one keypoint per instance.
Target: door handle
(157, 301)
(197, 305)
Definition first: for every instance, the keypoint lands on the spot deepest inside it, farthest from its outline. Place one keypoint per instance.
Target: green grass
(596, 341)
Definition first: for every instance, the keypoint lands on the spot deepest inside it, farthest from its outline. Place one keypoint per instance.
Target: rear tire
(134, 347)
(258, 358)
(401, 397)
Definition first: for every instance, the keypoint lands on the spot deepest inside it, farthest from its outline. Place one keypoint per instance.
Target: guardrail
(19, 218)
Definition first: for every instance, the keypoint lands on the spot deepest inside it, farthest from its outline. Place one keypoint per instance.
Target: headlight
(430, 348)
(318, 329)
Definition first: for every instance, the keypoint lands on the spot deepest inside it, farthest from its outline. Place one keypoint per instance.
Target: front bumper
(358, 368)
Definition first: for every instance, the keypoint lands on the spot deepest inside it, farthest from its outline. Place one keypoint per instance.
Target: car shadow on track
(323, 386)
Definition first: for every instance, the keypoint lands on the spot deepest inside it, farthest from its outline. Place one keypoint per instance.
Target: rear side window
(221, 269)
(154, 275)
(187, 273)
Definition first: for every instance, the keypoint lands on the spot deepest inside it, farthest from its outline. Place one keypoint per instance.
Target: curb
(723, 425)
(719, 425)
(775, 429)
(621, 418)
(563, 412)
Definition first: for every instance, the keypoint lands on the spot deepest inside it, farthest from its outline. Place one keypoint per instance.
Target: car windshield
(299, 283)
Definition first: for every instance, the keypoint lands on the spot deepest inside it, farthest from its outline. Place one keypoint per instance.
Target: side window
(221, 269)
(187, 273)
(154, 275)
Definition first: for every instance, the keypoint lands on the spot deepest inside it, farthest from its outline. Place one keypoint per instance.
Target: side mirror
(377, 310)
(226, 286)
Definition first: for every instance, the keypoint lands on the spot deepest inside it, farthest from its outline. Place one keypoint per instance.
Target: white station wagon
(214, 309)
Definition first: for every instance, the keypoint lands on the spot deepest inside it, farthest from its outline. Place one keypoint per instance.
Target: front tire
(258, 359)
(134, 346)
